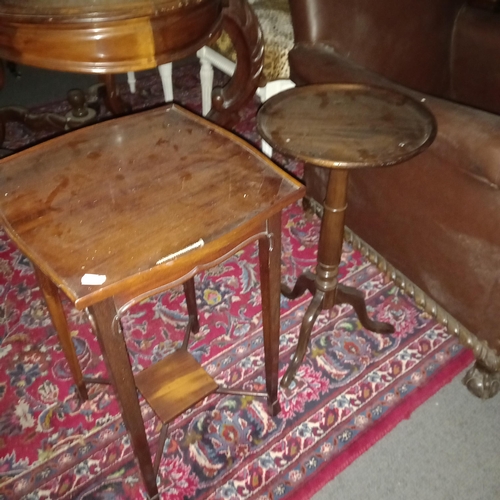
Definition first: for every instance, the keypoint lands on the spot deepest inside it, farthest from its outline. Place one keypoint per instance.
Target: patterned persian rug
(353, 387)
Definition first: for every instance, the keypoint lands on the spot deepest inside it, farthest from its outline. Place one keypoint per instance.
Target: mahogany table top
(105, 36)
(346, 125)
(120, 199)
(85, 10)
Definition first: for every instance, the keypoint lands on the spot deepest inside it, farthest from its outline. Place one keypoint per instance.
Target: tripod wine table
(341, 127)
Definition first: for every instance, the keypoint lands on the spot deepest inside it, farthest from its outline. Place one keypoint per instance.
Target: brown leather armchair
(434, 222)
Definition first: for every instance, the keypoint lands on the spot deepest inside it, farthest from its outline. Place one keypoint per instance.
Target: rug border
(403, 411)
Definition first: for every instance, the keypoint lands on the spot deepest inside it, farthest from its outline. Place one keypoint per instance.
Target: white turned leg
(131, 81)
(217, 60)
(206, 81)
(165, 71)
(209, 59)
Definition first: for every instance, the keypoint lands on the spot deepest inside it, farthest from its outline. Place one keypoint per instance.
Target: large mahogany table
(341, 127)
(117, 36)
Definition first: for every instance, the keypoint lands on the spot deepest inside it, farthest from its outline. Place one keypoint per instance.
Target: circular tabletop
(88, 10)
(346, 125)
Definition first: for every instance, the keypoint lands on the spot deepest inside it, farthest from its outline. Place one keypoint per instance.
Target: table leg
(305, 281)
(305, 333)
(56, 311)
(327, 291)
(270, 276)
(193, 325)
(190, 293)
(355, 298)
(117, 361)
(112, 98)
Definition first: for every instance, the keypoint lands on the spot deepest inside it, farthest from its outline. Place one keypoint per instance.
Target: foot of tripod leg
(349, 295)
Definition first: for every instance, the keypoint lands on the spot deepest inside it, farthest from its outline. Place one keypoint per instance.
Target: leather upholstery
(436, 218)
(379, 35)
(475, 59)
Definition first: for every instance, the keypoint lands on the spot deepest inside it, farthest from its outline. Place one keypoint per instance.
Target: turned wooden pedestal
(340, 127)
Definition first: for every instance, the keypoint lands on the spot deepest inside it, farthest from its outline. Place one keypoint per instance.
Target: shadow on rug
(353, 387)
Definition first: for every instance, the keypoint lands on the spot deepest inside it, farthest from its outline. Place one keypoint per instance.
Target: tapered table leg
(270, 276)
(56, 311)
(190, 293)
(115, 354)
(193, 325)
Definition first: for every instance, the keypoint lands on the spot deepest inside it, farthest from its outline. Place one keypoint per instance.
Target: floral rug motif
(351, 384)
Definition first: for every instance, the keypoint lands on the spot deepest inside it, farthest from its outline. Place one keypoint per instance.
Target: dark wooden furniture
(340, 128)
(441, 209)
(116, 36)
(121, 210)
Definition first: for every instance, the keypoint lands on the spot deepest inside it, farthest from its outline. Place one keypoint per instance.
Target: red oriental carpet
(352, 389)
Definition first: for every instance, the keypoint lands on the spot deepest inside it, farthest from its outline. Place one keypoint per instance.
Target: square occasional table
(124, 209)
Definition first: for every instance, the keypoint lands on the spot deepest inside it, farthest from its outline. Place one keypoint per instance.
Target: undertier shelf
(174, 384)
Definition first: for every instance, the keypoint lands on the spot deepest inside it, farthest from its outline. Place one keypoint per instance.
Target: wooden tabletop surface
(346, 125)
(122, 197)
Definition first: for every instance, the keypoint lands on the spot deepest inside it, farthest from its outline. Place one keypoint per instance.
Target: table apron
(112, 46)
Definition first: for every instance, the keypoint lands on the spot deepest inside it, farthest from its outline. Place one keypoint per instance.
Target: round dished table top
(346, 125)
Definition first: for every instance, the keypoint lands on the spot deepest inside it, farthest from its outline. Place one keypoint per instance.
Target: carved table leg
(242, 26)
(117, 361)
(327, 290)
(482, 382)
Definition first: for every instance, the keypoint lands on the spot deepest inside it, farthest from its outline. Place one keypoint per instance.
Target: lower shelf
(174, 385)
